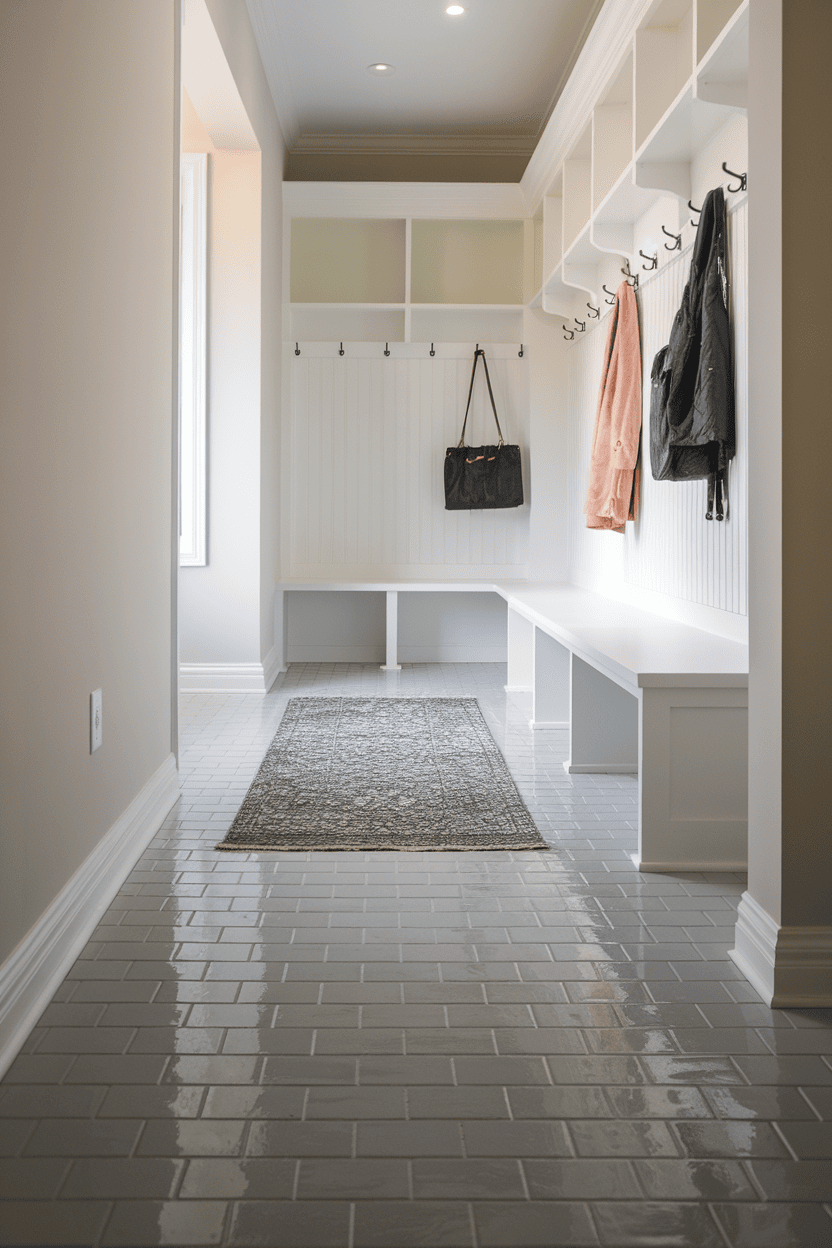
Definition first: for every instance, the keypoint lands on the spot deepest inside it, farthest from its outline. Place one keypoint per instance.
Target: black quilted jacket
(692, 424)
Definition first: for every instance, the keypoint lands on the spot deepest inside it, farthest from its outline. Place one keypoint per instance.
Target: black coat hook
(696, 210)
(632, 278)
(677, 246)
(520, 352)
(609, 292)
(432, 350)
(387, 348)
(654, 261)
(743, 177)
(570, 333)
(581, 324)
(341, 351)
(593, 312)
(297, 349)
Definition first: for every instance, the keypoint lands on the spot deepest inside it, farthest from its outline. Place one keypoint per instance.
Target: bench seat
(635, 692)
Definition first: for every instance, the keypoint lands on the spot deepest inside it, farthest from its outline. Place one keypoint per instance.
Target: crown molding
(272, 53)
(606, 46)
(419, 144)
(589, 21)
(464, 200)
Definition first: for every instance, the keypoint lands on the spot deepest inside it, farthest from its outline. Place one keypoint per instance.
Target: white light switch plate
(96, 727)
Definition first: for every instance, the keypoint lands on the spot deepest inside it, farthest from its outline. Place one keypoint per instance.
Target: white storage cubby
(612, 133)
(410, 279)
(655, 137)
(577, 189)
(663, 62)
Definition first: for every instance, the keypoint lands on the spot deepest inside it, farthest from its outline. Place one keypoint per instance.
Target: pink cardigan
(613, 492)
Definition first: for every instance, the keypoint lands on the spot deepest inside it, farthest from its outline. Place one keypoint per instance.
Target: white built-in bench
(636, 693)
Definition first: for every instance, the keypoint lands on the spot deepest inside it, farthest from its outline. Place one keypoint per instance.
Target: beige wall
(790, 557)
(89, 105)
(807, 454)
(233, 27)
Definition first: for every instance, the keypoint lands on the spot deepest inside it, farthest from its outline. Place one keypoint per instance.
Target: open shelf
(467, 262)
(612, 225)
(347, 322)
(663, 62)
(577, 188)
(612, 133)
(722, 76)
(347, 261)
(713, 18)
(663, 161)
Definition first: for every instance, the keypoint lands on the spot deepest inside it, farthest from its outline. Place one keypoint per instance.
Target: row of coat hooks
(676, 245)
(431, 352)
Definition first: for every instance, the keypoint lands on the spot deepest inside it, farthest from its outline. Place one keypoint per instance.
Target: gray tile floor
(389, 1050)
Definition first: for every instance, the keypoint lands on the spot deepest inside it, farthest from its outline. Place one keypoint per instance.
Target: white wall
(232, 23)
(89, 99)
(367, 437)
(219, 604)
(671, 560)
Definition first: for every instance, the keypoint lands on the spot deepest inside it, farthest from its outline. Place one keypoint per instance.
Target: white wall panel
(367, 440)
(672, 550)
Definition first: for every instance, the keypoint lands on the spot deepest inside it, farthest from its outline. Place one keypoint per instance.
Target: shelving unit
(646, 149)
(406, 280)
(654, 137)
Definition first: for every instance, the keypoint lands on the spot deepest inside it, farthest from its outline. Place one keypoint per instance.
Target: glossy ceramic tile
(482, 1050)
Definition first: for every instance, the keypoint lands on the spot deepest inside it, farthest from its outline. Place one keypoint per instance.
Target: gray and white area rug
(383, 773)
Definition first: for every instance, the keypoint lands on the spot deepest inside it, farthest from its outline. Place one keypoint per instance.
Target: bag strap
(479, 352)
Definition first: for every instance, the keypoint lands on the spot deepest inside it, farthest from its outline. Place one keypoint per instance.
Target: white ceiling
(487, 80)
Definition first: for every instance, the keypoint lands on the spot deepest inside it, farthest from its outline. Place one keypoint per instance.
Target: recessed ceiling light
(380, 68)
(455, 10)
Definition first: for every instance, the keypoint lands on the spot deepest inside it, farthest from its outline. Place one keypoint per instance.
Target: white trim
(519, 688)
(276, 68)
(230, 677)
(375, 653)
(543, 725)
(32, 972)
(669, 868)
(606, 46)
(449, 200)
(272, 668)
(192, 359)
(790, 967)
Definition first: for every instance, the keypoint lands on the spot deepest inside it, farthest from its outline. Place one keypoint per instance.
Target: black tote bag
(480, 478)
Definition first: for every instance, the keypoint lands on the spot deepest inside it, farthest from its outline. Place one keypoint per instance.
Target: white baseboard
(32, 972)
(230, 677)
(600, 769)
(519, 688)
(544, 725)
(405, 654)
(272, 668)
(668, 868)
(790, 967)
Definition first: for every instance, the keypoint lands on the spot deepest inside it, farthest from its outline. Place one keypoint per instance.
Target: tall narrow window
(192, 352)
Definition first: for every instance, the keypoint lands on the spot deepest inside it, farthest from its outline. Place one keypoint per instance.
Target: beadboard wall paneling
(366, 444)
(672, 550)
